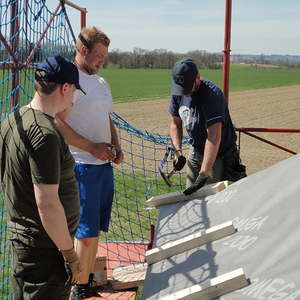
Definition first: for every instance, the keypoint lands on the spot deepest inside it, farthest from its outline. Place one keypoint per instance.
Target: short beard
(88, 69)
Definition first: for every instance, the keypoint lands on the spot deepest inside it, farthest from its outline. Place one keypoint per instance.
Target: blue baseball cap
(59, 70)
(184, 74)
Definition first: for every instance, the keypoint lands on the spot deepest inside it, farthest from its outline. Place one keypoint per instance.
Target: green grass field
(142, 84)
(129, 204)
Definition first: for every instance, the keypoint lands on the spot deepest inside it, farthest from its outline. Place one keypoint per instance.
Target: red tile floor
(120, 254)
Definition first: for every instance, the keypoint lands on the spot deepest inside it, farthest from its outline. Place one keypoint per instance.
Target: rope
(155, 138)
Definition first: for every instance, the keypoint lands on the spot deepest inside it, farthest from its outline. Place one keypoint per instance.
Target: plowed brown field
(267, 108)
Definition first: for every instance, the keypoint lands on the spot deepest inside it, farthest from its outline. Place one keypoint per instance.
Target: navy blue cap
(184, 74)
(59, 70)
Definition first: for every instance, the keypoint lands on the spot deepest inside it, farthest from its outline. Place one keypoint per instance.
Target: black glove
(179, 163)
(199, 183)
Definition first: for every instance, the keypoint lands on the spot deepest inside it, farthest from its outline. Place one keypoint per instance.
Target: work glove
(72, 266)
(199, 183)
(179, 161)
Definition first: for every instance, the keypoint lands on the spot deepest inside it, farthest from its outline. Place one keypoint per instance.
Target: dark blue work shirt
(205, 108)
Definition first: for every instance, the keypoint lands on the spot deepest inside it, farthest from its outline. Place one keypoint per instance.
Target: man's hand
(199, 183)
(179, 160)
(72, 265)
(119, 156)
(103, 151)
(178, 163)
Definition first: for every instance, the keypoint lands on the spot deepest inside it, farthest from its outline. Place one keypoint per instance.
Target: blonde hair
(90, 36)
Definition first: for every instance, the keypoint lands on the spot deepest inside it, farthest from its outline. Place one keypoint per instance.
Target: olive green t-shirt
(33, 151)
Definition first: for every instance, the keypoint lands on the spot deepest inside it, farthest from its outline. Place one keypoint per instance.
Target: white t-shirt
(89, 115)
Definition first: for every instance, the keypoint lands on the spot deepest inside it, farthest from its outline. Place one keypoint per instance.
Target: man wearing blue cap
(40, 189)
(199, 106)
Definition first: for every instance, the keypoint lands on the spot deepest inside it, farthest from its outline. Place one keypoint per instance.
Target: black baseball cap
(59, 70)
(183, 76)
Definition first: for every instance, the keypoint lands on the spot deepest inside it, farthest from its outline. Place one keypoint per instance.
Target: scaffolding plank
(129, 276)
(173, 197)
(189, 242)
(216, 287)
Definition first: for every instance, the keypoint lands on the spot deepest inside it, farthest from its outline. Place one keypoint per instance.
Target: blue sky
(258, 26)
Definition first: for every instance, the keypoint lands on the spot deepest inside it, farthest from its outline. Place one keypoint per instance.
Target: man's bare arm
(212, 144)
(115, 142)
(176, 133)
(52, 215)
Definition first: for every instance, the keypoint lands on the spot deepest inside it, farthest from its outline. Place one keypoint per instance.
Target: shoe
(83, 291)
(80, 292)
(92, 286)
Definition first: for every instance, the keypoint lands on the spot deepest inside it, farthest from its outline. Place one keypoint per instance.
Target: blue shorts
(96, 188)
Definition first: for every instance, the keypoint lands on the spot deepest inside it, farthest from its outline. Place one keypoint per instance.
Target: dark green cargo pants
(38, 273)
(194, 165)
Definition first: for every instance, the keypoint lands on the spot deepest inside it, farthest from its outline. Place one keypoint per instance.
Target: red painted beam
(27, 61)
(282, 130)
(82, 20)
(226, 56)
(268, 142)
(71, 4)
(8, 48)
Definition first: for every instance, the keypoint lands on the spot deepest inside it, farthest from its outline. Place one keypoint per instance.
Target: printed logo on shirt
(186, 116)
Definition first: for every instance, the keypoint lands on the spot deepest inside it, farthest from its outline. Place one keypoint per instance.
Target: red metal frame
(82, 10)
(15, 65)
(151, 236)
(225, 86)
(277, 130)
(226, 57)
(14, 29)
(8, 48)
(42, 36)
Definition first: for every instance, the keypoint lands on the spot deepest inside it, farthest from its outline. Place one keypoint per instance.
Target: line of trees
(149, 59)
(270, 61)
(159, 59)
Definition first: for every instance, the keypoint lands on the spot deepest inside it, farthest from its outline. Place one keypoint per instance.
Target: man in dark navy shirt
(199, 106)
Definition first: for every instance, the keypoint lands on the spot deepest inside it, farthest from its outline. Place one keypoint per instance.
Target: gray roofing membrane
(265, 209)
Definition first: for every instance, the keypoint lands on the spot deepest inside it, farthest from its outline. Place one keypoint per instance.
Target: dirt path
(267, 108)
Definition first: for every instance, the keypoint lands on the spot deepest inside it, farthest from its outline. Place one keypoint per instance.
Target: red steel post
(151, 236)
(82, 19)
(14, 37)
(226, 59)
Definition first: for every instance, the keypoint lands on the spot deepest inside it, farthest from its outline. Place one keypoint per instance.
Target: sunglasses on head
(89, 45)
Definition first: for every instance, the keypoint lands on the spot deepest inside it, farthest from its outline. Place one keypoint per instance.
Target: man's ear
(64, 88)
(83, 50)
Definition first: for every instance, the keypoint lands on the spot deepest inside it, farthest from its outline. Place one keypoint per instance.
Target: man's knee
(88, 242)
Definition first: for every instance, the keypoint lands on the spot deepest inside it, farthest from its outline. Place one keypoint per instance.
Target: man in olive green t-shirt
(39, 187)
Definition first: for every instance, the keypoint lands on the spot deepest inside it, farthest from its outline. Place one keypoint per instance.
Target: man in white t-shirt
(94, 144)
